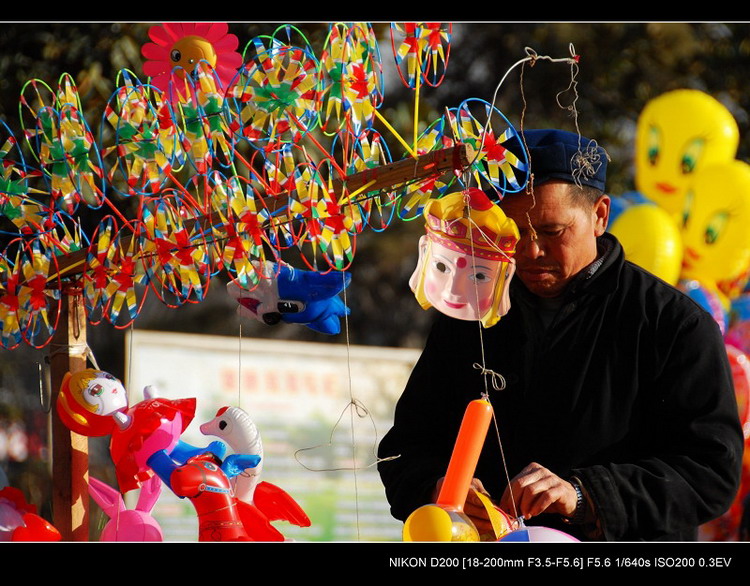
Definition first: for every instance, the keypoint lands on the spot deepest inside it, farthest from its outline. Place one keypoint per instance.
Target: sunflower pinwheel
(176, 48)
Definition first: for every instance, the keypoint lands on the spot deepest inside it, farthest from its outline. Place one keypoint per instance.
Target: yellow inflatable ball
(435, 523)
(716, 228)
(679, 133)
(650, 239)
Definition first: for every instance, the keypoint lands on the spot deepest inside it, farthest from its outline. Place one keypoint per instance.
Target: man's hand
(537, 490)
(473, 507)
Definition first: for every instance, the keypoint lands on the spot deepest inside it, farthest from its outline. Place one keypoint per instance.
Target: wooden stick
(70, 454)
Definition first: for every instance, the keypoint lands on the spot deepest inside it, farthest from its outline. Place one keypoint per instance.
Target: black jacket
(629, 389)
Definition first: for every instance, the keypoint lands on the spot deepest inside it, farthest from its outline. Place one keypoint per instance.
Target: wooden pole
(70, 451)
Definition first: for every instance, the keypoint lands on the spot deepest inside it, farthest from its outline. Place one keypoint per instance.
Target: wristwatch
(580, 512)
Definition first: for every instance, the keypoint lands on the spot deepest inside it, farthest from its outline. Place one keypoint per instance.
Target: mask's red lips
(454, 305)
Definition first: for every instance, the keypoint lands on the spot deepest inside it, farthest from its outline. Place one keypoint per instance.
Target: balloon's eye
(716, 226)
(654, 138)
(691, 155)
(689, 196)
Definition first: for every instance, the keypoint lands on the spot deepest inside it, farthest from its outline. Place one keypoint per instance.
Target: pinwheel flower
(183, 46)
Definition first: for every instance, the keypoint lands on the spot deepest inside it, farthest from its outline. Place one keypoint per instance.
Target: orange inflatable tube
(465, 455)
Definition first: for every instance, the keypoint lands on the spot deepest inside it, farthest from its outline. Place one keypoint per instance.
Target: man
(618, 419)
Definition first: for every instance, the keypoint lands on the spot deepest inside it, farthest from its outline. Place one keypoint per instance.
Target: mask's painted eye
(441, 267)
(691, 155)
(689, 196)
(480, 277)
(96, 390)
(175, 55)
(654, 139)
(716, 226)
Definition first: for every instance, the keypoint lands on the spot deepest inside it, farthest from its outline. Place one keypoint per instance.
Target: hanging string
(498, 381)
(355, 407)
(239, 358)
(351, 399)
(45, 399)
(530, 179)
(82, 350)
(362, 412)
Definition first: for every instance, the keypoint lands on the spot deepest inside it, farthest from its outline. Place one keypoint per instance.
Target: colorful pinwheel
(493, 146)
(174, 251)
(274, 98)
(64, 145)
(351, 84)
(422, 52)
(362, 151)
(126, 279)
(414, 196)
(15, 186)
(146, 138)
(39, 297)
(10, 310)
(100, 270)
(238, 234)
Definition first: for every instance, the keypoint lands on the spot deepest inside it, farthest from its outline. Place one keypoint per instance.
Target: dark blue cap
(565, 156)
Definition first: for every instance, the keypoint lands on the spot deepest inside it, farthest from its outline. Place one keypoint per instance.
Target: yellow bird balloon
(715, 234)
(650, 239)
(678, 133)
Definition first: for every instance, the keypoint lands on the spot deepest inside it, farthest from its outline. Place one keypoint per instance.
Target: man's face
(566, 234)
